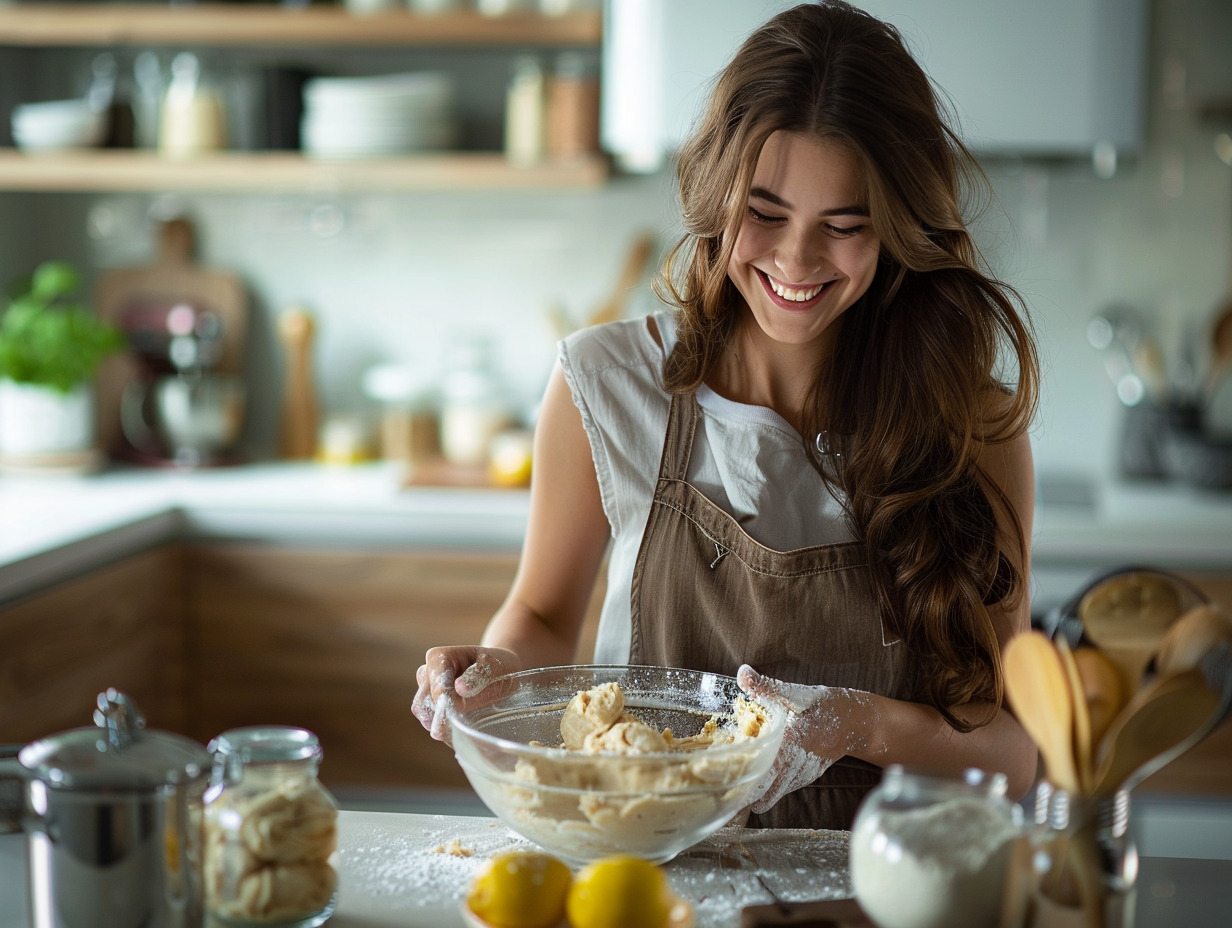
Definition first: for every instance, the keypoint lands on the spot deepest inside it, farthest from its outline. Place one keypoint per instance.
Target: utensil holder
(1083, 864)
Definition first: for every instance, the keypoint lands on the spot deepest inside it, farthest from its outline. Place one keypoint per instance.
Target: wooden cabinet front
(330, 641)
(117, 626)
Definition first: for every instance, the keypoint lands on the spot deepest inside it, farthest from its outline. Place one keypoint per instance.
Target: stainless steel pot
(112, 815)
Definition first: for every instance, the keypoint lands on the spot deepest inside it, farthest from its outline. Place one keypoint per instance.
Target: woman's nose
(799, 257)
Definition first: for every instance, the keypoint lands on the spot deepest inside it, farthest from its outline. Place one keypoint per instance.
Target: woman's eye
(758, 216)
(845, 231)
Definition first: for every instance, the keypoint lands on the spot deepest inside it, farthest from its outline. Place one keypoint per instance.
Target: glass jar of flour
(270, 828)
(475, 404)
(931, 851)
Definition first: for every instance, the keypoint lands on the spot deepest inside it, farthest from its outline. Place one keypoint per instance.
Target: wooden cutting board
(832, 913)
(174, 277)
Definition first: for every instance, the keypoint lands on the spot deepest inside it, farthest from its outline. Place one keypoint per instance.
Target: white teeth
(789, 293)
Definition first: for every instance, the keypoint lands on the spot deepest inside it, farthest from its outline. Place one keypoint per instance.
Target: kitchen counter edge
(55, 528)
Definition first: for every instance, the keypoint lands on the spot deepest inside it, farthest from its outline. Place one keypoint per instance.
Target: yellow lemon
(620, 892)
(520, 889)
(509, 459)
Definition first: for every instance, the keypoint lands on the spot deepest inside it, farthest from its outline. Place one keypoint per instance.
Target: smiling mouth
(798, 295)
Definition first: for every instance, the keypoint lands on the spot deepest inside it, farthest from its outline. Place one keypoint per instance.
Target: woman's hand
(463, 671)
(824, 723)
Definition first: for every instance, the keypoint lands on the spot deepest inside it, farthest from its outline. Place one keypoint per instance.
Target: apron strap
(678, 443)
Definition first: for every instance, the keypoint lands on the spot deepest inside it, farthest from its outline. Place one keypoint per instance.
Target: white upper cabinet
(1047, 78)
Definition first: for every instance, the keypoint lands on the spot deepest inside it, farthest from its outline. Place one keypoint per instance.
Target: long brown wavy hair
(918, 383)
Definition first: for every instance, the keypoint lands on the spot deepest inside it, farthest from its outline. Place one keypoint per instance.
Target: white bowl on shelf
(57, 125)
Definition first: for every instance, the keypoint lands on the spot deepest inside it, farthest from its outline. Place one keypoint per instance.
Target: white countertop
(52, 528)
(394, 871)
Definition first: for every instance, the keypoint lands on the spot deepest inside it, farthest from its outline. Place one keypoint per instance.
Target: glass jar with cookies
(270, 829)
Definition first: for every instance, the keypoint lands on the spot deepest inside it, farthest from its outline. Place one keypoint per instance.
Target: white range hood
(1034, 78)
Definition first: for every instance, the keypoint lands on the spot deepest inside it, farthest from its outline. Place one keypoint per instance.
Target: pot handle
(119, 717)
(12, 789)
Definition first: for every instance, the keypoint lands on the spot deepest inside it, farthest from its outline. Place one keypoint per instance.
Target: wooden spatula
(1039, 693)
(1163, 716)
(1103, 689)
(1082, 746)
(1192, 637)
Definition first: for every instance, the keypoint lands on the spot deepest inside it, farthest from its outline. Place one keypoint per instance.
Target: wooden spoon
(1194, 635)
(1103, 689)
(297, 430)
(1039, 692)
(1126, 617)
(1083, 756)
(1167, 713)
(635, 266)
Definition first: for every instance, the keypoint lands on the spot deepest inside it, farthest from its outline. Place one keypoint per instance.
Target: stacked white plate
(363, 117)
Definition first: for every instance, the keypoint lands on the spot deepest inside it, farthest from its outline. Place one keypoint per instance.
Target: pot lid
(116, 753)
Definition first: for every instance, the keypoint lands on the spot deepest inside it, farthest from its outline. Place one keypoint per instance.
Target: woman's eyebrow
(761, 193)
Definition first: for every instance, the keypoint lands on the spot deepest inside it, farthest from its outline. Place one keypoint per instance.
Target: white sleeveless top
(746, 459)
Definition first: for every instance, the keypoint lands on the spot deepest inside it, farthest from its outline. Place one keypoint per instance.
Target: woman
(812, 467)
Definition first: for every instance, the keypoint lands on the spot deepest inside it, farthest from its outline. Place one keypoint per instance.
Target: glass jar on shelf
(475, 404)
(270, 830)
(526, 112)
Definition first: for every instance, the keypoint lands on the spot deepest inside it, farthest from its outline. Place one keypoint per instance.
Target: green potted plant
(50, 349)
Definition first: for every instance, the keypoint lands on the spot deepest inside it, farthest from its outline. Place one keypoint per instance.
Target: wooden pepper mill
(300, 413)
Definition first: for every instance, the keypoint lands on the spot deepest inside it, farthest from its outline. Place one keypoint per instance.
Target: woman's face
(806, 250)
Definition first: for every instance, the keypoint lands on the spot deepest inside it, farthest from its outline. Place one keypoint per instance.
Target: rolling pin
(300, 415)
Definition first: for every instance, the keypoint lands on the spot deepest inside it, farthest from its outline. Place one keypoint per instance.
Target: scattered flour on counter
(434, 865)
(720, 875)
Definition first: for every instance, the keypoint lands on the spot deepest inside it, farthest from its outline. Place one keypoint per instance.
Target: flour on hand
(819, 731)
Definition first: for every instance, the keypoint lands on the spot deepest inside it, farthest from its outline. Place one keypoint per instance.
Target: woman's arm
(566, 536)
(830, 722)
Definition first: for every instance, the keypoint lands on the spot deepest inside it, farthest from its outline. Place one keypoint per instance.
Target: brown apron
(707, 596)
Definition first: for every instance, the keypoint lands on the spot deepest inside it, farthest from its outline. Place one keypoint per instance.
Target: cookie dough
(591, 712)
(661, 784)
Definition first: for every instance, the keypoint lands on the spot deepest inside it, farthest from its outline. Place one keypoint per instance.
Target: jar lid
(262, 744)
(118, 752)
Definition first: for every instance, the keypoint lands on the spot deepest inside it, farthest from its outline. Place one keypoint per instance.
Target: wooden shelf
(107, 170)
(81, 24)
(271, 25)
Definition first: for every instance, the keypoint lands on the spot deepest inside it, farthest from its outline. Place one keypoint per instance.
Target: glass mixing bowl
(583, 806)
